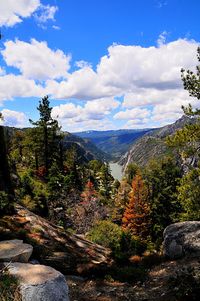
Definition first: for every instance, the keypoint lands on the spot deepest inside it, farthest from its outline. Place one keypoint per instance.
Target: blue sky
(104, 64)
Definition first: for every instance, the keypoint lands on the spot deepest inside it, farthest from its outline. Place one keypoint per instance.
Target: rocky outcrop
(39, 282)
(53, 246)
(15, 250)
(182, 239)
(152, 145)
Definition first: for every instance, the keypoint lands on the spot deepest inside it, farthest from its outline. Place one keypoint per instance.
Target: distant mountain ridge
(85, 148)
(113, 142)
(152, 144)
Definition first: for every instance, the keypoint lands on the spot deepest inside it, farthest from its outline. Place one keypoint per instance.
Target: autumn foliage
(89, 194)
(136, 215)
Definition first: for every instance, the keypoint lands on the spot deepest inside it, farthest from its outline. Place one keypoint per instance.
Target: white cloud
(13, 11)
(92, 110)
(66, 111)
(45, 13)
(148, 78)
(162, 38)
(56, 27)
(36, 60)
(13, 118)
(12, 86)
(133, 113)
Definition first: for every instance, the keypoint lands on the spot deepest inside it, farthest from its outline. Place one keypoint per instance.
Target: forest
(41, 173)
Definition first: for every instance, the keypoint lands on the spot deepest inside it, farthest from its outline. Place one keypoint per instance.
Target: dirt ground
(155, 287)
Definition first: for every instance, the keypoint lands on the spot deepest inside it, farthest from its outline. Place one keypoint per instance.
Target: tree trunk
(46, 149)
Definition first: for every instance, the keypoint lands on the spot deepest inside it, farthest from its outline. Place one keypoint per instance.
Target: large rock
(182, 239)
(15, 250)
(39, 282)
(70, 254)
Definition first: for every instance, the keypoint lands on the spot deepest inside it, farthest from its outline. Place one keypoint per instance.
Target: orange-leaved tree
(89, 194)
(136, 215)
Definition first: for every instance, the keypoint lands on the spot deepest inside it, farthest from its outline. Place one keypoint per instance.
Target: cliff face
(152, 145)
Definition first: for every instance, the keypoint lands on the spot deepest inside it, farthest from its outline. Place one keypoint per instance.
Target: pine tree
(46, 139)
(136, 215)
(162, 177)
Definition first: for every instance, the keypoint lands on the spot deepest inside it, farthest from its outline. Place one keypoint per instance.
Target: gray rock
(15, 250)
(182, 239)
(39, 282)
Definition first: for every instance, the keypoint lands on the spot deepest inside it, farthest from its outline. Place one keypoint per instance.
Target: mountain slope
(86, 150)
(115, 143)
(152, 145)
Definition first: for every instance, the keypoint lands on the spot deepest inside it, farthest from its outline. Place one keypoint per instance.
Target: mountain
(112, 142)
(85, 149)
(152, 144)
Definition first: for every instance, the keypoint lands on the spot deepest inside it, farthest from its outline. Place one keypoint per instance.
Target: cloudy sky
(106, 64)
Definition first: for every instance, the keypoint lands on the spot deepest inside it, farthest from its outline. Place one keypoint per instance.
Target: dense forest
(40, 172)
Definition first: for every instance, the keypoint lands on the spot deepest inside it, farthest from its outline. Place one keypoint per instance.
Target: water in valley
(116, 170)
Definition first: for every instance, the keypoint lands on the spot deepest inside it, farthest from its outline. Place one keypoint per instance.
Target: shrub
(9, 288)
(112, 236)
(4, 201)
(106, 234)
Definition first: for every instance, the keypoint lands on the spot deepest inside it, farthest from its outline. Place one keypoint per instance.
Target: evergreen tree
(47, 139)
(189, 195)
(188, 142)
(163, 177)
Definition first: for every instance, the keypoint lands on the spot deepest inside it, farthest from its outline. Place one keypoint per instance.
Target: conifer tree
(47, 139)
(136, 215)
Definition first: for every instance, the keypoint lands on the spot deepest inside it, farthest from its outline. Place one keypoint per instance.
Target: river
(116, 170)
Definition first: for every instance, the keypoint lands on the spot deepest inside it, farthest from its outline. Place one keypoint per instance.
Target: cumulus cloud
(12, 12)
(12, 86)
(138, 113)
(13, 118)
(45, 13)
(146, 80)
(94, 110)
(35, 60)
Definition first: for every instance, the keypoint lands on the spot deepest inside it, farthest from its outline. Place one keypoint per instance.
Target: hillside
(85, 148)
(152, 144)
(115, 143)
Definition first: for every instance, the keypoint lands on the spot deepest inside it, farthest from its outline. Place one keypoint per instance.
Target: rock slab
(15, 250)
(39, 282)
(182, 239)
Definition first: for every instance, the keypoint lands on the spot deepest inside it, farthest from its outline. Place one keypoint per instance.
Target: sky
(105, 64)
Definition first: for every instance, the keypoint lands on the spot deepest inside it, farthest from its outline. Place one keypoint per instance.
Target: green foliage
(9, 288)
(4, 201)
(47, 139)
(163, 177)
(33, 193)
(131, 171)
(189, 195)
(191, 81)
(112, 236)
(106, 234)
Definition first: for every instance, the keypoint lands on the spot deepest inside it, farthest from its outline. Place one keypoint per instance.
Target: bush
(106, 234)
(112, 236)
(4, 201)
(9, 288)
